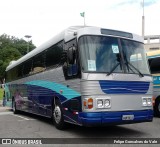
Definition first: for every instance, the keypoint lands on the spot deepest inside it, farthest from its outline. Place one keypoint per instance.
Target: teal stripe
(156, 86)
(156, 79)
(67, 92)
(7, 91)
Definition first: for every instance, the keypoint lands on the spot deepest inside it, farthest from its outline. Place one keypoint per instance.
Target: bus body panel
(37, 97)
(115, 118)
(156, 85)
(35, 93)
(126, 98)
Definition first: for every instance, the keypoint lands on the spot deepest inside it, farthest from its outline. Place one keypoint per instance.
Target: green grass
(1, 94)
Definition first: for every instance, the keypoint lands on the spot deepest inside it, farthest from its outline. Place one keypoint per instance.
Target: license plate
(127, 117)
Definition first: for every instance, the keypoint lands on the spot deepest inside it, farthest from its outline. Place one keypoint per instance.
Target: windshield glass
(134, 56)
(103, 54)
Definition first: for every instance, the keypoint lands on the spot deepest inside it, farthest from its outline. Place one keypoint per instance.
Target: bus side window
(27, 68)
(154, 65)
(38, 63)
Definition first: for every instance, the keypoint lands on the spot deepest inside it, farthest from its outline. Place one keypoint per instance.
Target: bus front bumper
(114, 118)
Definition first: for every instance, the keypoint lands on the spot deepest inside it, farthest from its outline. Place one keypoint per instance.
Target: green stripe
(67, 92)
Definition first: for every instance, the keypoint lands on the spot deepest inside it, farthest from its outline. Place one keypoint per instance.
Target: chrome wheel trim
(57, 114)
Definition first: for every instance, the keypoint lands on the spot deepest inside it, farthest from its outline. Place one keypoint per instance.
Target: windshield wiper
(113, 68)
(128, 63)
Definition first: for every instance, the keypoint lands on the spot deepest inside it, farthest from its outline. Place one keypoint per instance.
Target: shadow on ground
(94, 132)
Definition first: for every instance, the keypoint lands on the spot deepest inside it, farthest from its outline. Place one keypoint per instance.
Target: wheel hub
(57, 114)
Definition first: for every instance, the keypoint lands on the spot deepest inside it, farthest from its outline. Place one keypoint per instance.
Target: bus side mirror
(70, 67)
(71, 55)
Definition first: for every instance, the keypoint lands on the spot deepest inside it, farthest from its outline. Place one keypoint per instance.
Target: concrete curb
(4, 109)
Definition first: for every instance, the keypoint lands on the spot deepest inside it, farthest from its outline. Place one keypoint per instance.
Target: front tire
(57, 116)
(157, 107)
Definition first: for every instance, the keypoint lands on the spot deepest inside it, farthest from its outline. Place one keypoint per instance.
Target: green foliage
(11, 48)
(1, 94)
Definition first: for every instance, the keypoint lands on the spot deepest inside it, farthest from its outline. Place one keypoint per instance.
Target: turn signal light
(88, 103)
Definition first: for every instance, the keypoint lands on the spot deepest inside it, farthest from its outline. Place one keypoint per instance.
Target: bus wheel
(15, 111)
(58, 117)
(157, 107)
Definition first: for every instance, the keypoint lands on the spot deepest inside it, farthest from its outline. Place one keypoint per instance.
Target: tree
(21, 45)
(11, 48)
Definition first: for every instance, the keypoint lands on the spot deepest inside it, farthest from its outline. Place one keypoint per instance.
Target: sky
(43, 19)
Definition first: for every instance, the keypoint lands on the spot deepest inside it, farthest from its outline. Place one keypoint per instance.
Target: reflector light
(75, 112)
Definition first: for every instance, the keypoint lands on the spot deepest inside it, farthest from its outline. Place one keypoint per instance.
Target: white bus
(84, 76)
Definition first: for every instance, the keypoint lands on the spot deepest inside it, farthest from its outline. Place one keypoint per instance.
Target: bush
(1, 94)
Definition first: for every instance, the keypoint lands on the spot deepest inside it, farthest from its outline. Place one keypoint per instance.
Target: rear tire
(57, 115)
(157, 107)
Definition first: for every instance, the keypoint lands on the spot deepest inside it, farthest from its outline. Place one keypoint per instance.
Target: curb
(5, 109)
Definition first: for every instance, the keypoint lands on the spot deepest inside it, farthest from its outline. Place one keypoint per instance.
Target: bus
(88, 76)
(154, 63)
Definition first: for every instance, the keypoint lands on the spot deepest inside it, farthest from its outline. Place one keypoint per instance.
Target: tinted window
(154, 65)
(20, 73)
(12, 74)
(49, 58)
(38, 63)
(27, 67)
(8, 76)
(53, 55)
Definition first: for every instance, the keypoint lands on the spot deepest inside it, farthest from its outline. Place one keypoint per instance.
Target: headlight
(100, 103)
(149, 101)
(103, 103)
(146, 101)
(107, 103)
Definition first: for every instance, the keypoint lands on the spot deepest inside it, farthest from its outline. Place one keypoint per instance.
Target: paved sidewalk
(4, 109)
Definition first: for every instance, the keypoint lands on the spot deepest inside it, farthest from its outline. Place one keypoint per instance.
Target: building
(152, 42)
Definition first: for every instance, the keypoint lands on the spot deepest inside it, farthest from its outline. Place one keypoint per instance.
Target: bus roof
(153, 54)
(71, 33)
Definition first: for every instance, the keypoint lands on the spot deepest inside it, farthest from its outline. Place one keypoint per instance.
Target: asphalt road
(25, 125)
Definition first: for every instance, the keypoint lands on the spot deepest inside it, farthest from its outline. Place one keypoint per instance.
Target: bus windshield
(112, 55)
